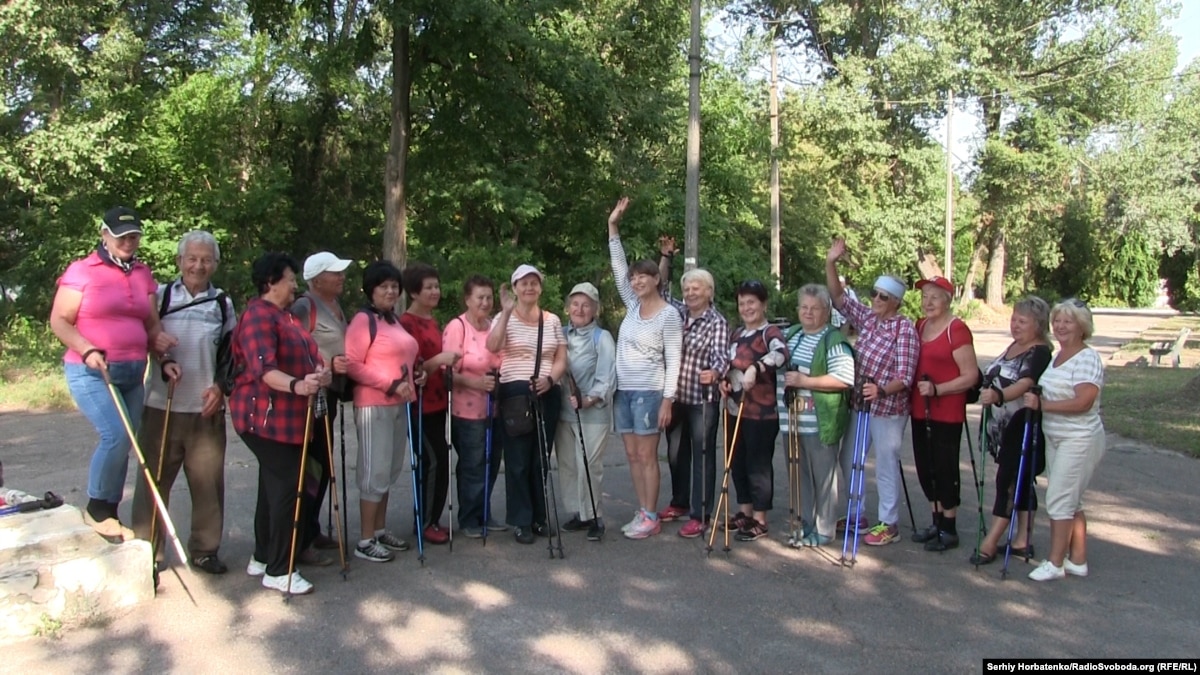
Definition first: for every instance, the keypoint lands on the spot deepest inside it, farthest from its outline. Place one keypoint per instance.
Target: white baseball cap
(323, 262)
(524, 271)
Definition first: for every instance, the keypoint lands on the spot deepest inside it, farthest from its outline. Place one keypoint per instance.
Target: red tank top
(937, 361)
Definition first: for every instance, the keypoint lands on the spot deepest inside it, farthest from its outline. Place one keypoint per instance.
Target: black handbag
(517, 411)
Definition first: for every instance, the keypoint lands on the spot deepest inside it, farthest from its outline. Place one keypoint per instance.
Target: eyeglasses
(875, 293)
(1078, 303)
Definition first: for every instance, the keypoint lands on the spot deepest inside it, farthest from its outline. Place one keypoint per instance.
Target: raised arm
(499, 335)
(836, 292)
(616, 255)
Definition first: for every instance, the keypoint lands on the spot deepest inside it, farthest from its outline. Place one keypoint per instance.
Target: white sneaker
(255, 568)
(1047, 571)
(300, 585)
(373, 551)
(637, 520)
(1074, 570)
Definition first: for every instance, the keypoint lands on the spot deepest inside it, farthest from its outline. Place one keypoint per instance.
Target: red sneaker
(692, 529)
(434, 534)
(672, 513)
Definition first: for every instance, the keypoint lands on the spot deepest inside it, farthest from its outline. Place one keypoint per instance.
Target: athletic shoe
(692, 529)
(472, 532)
(1073, 569)
(737, 521)
(882, 535)
(493, 526)
(814, 540)
(210, 563)
(310, 556)
(373, 551)
(754, 531)
(434, 534)
(576, 525)
(672, 513)
(637, 519)
(863, 524)
(255, 568)
(300, 585)
(943, 543)
(391, 542)
(596, 531)
(523, 535)
(542, 530)
(927, 534)
(1047, 571)
(646, 527)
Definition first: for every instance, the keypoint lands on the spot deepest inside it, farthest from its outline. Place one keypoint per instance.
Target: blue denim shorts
(637, 412)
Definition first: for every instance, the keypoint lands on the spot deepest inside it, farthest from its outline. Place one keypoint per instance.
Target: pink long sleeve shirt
(374, 366)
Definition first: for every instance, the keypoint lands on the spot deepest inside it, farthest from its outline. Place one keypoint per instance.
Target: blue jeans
(110, 459)
(470, 441)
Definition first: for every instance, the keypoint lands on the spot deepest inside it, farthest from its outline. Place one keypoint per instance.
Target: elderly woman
(648, 353)
(474, 386)
(424, 290)
(282, 371)
(585, 420)
(105, 313)
(757, 350)
(886, 353)
(381, 357)
(820, 375)
(946, 369)
(534, 358)
(1006, 381)
(1070, 405)
(692, 436)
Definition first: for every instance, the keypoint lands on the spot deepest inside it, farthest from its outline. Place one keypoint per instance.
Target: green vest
(833, 407)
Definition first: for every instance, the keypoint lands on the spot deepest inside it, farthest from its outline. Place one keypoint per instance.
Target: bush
(29, 345)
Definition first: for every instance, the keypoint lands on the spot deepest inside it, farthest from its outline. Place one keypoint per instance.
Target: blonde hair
(1078, 311)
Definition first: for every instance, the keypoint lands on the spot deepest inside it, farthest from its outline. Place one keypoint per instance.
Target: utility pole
(691, 214)
(776, 247)
(948, 268)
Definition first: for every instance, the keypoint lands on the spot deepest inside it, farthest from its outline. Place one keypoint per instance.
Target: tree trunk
(395, 226)
(993, 290)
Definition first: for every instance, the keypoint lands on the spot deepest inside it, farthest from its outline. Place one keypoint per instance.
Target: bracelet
(668, 256)
(935, 392)
(91, 351)
(292, 384)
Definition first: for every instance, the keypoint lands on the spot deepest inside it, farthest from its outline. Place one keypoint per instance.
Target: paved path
(660, 605)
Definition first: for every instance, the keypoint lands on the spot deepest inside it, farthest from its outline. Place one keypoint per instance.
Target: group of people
(520, 386)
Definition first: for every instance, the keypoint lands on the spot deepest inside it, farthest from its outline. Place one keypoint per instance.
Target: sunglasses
(875, 293)
(1078, 303)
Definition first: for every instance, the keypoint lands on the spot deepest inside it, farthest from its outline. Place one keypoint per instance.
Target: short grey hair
(1037, 309)
(702, 275)
(818, 291)
(200, 237)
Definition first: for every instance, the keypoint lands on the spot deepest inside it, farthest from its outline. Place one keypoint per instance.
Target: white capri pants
(1071, 460)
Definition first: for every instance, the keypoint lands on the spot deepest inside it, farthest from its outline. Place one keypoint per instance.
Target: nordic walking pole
(937, 503)
(162, 453)
(587, 472)
(548, 494)
(705, 495)
(333, 482)
(421, 445)
(415, 465)
(723, 499)
(448, 377)
(345, 515)
(487, 454)
(858, 466)
(789, 396)
(308, 417)
(1012, 513)
(983, 415)
(907, 502)
(159, 504)
(1036, 390)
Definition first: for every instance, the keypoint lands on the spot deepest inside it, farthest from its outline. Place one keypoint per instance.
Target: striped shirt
(648, 350)
(517, 356)
(839, 362)
(198, 328)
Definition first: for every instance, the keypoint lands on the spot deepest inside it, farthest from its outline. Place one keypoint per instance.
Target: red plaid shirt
(885, 351)
(268, 338)
(705, 347)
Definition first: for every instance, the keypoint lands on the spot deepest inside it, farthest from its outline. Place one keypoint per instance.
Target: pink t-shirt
(460, 336)
(374, 365)
(114, 309)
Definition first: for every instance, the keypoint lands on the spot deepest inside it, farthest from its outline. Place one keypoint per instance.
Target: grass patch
(1153, 405)
(34, 389)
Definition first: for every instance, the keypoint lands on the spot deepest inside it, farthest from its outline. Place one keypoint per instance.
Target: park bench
(1170, 348)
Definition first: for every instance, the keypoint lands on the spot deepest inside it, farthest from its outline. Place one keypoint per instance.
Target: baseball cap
(586, 289)
(122, 220)
(323, 262)
(524, 271)
(941, 282)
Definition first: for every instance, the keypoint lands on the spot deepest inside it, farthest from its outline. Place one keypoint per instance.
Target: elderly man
(320, 313)
(199, 315)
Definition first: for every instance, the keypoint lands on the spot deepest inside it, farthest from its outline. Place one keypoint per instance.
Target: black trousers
(938, 462)
(435, 465)
(319, 452)
(278, 472)
(523, 455)
(753, 467)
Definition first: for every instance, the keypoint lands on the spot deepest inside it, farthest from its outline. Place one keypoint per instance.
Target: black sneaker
(945, 542)
(209, 563)
(523, 535)
(927, 534)
(575, 524)
(596, 531)
(754, 530)
(542, 530)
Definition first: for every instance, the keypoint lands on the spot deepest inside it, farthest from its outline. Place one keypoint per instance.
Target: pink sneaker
(692, 529)
(646, 527)
(882, 535)
(672, 513)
